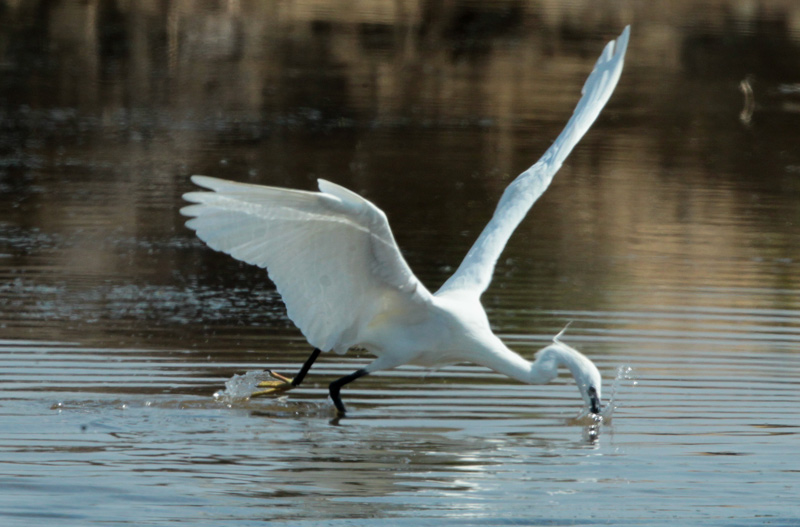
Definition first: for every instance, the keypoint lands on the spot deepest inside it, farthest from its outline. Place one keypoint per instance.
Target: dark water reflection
(670, 238)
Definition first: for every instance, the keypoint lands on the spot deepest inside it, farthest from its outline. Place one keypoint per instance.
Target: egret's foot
(278, 386)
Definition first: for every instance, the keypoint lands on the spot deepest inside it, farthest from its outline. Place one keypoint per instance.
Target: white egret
(345, 283)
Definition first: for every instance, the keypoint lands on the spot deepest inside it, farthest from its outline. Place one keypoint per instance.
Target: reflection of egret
(335, 262)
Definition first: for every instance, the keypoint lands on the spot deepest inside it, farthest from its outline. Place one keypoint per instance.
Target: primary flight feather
(345, 283)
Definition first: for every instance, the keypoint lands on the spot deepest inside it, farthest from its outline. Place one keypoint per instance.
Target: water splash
(239, 387)
(592, 422)
(624, 373)
(591, 432)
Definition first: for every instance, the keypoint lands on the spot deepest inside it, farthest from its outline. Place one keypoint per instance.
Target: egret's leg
(283, 384)
(336, 387)
(305, 367)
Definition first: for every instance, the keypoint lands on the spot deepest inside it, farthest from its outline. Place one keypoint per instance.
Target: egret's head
(589, 382)
(583, 370)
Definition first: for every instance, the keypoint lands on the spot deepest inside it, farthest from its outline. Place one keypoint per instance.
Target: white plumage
(330, 253)
(345, 283)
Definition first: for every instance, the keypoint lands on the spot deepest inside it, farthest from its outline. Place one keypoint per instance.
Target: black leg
(282, 384)
(306, 366)
(336, 387)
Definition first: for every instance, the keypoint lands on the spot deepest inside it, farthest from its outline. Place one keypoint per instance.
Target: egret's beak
(594, 401)
(596, 405)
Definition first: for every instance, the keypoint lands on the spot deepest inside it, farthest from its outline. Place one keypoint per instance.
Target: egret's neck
(505, 361)
(545, 368)
(542, 370)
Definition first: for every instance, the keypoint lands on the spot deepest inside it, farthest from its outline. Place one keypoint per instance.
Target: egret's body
(345, 283)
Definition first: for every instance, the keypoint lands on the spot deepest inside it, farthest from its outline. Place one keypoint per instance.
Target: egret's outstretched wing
(475, 272)
(330, 253)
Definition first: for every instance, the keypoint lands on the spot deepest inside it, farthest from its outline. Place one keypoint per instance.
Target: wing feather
(331, 254)
(475, 272)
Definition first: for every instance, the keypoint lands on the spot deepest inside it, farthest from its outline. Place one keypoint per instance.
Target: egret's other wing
(475, 272)
(330, 253)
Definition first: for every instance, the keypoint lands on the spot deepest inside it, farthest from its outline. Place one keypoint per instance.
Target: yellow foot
(280, 385)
